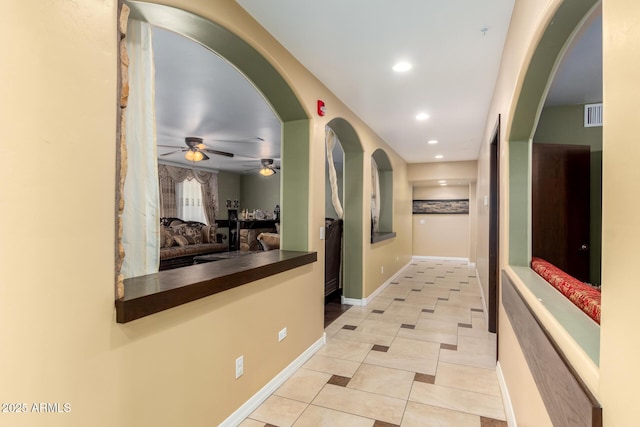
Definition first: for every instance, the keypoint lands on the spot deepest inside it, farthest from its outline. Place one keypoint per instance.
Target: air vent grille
(592, 115)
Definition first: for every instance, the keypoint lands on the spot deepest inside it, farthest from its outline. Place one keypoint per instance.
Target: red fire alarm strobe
(321, 108)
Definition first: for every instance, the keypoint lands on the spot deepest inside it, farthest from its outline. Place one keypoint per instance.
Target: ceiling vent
(592, 115)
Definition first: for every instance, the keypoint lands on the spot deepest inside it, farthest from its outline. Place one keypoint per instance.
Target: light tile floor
(418, 355)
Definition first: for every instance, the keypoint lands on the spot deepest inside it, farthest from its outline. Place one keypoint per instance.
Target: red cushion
(582, 295)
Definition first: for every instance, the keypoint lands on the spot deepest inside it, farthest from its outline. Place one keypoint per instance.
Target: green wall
(253, 191)
(259, 192)
(565, 125)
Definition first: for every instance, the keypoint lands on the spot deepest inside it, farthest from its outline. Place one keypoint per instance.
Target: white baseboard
(353, 301)
(256, 400)
(364, 301)
(484, 301)
(443, 258)
(506, 399)
(472, 264)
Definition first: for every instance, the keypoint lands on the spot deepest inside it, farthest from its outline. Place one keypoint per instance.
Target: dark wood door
(560, 206)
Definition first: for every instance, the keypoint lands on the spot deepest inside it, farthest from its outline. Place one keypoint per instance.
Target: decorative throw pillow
(166, 238)
(209, 234)
(181, 240)
(194, 232)
(269, 241)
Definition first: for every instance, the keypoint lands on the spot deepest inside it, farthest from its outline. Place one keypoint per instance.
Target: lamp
(266, 171)
(193, 155)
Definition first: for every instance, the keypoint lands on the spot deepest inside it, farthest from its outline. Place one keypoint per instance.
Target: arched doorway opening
(353, 205)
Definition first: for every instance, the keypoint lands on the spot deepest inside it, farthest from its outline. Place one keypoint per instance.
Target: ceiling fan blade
(171, 152)
(170, 146)
(255, 140)
(204, 156)
(219, 153)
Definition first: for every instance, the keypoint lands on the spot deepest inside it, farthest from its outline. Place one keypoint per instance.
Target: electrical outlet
(239, 366)
(382, 270)
(397, 258)
(282, 334)
(321, 233)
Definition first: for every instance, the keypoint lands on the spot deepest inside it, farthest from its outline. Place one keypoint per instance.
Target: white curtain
(189, 201)
(171, 176)
(331, 139)
(375, 196)
(141, 223)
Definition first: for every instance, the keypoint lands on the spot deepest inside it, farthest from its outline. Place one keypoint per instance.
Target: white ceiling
(200, 94)
(455, 47)
(352, 45)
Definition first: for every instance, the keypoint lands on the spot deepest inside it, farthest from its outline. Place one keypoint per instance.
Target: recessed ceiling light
(439, 156)
(432, 141)
(401, 67)
(442, 181)
(422, 116)
(443, 184)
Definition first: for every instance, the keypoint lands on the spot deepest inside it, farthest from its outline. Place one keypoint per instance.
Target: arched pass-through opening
(353, 205)
(294, 212)
(583, 352)
(266, 79)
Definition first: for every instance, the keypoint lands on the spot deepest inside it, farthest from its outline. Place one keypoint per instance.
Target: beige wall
(427, 173)
(60, 342)
(441, 235)
(528, 21)
(620, 344)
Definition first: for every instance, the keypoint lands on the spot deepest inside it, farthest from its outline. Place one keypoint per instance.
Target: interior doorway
(494, 228)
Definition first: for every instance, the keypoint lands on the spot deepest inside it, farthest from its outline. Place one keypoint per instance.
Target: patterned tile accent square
(379, 423)
(406, 326)
(465, 325)
(448, 346)
(427, 310)
(382, 348)
(424, 378)
(350, 327)
(416, 290)
(398, 299)
(479, 310)
(490, 422)
(339, 381)
(378, 311)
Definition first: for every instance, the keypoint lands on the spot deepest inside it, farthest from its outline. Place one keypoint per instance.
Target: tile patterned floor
(418, 355)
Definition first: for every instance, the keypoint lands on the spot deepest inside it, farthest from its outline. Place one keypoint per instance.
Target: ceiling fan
(267, 167)
(195, 150)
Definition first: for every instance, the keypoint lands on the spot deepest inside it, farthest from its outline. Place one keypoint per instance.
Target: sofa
(181, 240)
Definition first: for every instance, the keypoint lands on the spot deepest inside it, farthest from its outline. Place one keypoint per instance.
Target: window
(189, 201)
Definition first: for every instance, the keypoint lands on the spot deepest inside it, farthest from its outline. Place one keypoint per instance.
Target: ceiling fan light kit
(266, 171)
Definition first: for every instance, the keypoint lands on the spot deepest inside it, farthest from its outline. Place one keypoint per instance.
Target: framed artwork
(451, 206)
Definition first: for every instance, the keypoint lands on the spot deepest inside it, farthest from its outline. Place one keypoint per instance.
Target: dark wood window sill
(146, 295)
(381, 236)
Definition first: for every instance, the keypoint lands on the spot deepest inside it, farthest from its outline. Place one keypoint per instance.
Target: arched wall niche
(385, 171)
(277, 92)
(353, 207)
